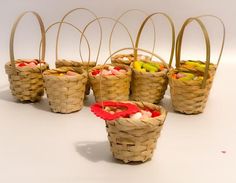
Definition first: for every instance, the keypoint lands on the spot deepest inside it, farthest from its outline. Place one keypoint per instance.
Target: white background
(37, 145)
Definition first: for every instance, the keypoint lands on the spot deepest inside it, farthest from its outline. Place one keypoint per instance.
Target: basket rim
(51, 72)
(41, 66)
(128, 69)
(159, 120)
(187, 83)
(150, 73)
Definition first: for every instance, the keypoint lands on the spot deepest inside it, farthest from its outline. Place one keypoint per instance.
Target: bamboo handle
(141, 29)
(42, 29)
(67, 23)
(223, 34)
(62, 20)
(122, 15)
(207, 42)
(107, 18)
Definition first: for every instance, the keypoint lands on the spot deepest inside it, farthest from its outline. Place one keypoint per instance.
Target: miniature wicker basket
(190, 97)
(26, 83)
(65, 93)
(86, 65)
(135, 140)
(115, 87)
(150, 87)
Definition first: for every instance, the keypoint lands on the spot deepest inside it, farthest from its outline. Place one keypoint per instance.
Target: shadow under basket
(189, 97)
(134, 140)
(83, 65)
(26, 83)
(65, 93)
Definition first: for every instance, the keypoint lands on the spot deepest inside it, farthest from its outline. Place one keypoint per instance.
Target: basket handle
(141, 29)
(123, 49)
(43, 39)
(62, 20)
(67, 23)
(121, 16)
(207, 42)
(223, 34)
(108, 18)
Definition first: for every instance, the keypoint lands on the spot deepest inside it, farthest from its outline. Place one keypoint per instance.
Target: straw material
(188, 96)
(65, 93)
(145, 86)
(127, 59)
(135, 140)
(148, 87)
(113, 87)
(26, 83)
(84, 65)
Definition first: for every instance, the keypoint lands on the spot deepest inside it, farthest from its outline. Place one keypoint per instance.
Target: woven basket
(135, 140)
(111, 87)
(65, 93)
(150, 87)
(190, 97)
(71, 63)
(26, 83)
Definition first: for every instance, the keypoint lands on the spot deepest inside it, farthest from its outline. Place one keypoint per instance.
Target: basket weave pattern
(65, 93)
(187, 96)
(148, 87)
(26, 83)
(83, 65)
(135, 140)
(112, 87)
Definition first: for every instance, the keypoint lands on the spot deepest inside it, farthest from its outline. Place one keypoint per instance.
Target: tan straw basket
(135, 140)
(111, 87)
(65, 93)
(150, 87)
(190, 97)
(86, 65)
(115, 87)
(26, 83)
